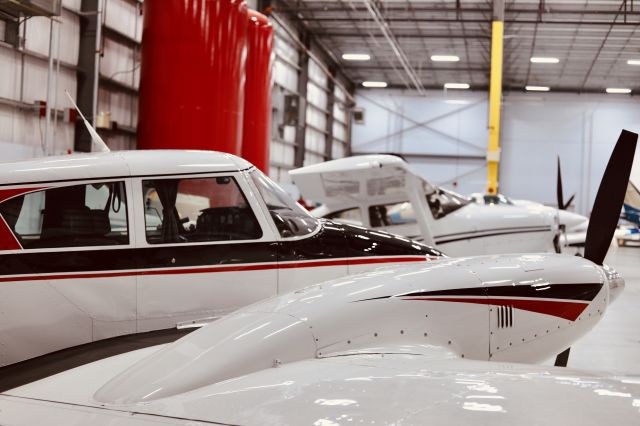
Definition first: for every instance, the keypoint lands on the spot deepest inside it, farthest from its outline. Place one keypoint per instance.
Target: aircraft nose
(615, 282)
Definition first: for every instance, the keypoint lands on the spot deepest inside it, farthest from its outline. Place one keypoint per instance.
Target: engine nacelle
(521, 308)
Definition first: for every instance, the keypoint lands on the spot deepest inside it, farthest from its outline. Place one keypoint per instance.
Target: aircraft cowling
(451, 303)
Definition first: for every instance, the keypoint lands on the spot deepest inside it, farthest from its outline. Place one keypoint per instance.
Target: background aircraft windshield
(442, 202)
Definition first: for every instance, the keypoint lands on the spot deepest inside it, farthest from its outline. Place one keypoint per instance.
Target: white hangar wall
(444, 135)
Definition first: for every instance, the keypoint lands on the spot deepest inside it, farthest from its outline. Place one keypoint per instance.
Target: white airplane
(382, 192)
(573, 226)
(105, 244)
(434, 343)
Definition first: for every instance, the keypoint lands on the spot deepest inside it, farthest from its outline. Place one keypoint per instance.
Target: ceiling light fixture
(374, 84)
(633, 62)
(445, 58)
(537, 88)
(620, 90)
(356, 56)
(456, 86)
(544, 60)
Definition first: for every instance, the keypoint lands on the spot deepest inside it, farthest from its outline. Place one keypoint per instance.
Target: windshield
(442, 202)
(291, 219)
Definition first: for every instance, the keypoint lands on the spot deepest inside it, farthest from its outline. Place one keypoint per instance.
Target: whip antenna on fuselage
(95, 137)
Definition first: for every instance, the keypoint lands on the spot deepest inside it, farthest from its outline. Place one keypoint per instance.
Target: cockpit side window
(392, 214)
(442, 202)
(197, 210)
(71, 216)
(291, 219)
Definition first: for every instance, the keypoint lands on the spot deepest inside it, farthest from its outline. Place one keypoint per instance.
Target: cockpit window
(70, 216)
(197, 210)
(497, 199)
(392, 214)
(442, 202)
(291, 219)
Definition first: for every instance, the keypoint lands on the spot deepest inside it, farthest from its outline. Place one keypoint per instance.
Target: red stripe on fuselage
(567, 310)
(230, 268)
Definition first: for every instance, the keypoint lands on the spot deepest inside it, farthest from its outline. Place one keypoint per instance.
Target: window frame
(44, 186)
(272, 223)
(240, 179)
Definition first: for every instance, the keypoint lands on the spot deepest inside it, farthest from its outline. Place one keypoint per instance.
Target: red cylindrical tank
(256, 135)
(192, 75)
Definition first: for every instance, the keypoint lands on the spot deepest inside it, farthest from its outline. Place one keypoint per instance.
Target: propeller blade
(566, 206)
(609, 199)
(559, 187)
(563, 358)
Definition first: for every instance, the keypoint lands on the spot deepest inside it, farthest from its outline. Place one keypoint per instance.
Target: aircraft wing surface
(365, 177)
(405, 385)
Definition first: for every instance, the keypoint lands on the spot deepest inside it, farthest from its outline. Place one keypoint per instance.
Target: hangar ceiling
(593, 40)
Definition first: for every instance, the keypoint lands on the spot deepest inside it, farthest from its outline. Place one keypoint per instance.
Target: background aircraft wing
(404, 385)
(364, 178)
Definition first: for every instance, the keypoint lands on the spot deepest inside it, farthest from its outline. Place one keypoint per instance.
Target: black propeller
(561, 204)
(608, 203)
(606, 207)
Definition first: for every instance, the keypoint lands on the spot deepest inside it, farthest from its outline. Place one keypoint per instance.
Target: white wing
(432, 388)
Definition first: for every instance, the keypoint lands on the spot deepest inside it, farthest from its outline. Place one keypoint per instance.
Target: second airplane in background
(382, 192)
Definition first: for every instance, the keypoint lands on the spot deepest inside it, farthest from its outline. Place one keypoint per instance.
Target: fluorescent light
(456, 86)
(618, 90)
(537, 88)
(374, 83)
(356, 56)
(544, 60)
(445, 58)
(633, 62)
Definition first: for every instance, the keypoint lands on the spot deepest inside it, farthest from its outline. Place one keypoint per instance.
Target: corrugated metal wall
(24, 70)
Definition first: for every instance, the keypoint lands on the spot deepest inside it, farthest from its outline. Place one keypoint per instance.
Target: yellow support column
(495, 100)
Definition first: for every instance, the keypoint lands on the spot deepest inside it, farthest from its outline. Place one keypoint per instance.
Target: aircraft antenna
(95, 137)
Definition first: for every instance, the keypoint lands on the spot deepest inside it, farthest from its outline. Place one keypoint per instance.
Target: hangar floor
(612, 347)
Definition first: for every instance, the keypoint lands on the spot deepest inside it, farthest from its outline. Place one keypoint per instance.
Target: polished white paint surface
(370, 180)
(434, 388)
(118, 164)
(356, 315)
(83, 308)
(321, 355)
